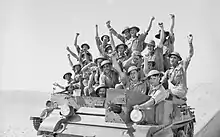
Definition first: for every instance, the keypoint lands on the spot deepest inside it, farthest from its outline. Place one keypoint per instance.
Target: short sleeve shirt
(157, 56)
(109, 80)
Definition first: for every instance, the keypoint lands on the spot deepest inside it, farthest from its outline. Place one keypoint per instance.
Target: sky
(34, 35)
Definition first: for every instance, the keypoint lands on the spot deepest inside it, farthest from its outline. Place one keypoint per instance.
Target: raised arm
(142, 37)
(112, 41)
(162, 37)
(70, 61)
(126, 63)
(75, 43)
(165, 77)
(191, 51)
(146, 69)
(114, 32)
(72, 53)
(118, 68)
(172, 23)
(98, 41)
(58, 85)
(91, 79)
(88, 66)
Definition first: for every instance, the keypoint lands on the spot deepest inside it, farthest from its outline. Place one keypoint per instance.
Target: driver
(71, 85)
(156, 92)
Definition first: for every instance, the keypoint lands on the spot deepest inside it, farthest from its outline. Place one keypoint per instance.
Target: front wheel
(186, 131)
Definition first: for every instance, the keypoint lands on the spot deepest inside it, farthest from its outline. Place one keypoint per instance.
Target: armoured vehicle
(113, 116)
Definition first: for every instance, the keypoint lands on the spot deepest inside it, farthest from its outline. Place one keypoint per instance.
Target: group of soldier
(159, 71)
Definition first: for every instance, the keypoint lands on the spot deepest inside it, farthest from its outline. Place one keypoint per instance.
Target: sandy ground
(16, 107)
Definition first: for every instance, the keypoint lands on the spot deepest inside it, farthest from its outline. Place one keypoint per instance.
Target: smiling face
(136, 59)
(127, 34)
(154, 80)
(133, 32)
(133, 75)
(151, 65)
(105, 39)
(102, 92)
(150, 48)
(121, 49)
(109, 50)
(99, 61)
(106, 68)
(77, 69)
(174, 60)
(67, 77)
(85, 48)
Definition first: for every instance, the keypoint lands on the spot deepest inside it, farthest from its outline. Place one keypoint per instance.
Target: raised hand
(172, 16)
(68, 55)
(68, 48)
(77, 34)
(160, 25)
(55, 84)
(190, 38)
(152, 18)
(108, 24)
(114, 55)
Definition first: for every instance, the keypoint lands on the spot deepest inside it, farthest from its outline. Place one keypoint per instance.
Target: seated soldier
(101, 91)
(98, 62)
(156, 92)
(134, 60)
(155, 53)
(50, 106)
(176, 75)
(130, 80)
(109, 76)
(71, 84)
(90, 84)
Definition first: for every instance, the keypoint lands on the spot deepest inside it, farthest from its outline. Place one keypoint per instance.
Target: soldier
(136, 42)
(134, 60)
(130, 79)
(101, 44)
(83, 50)
(176, 75)
(101, 90)
(167, 40)
(71, 84)
(156, 92)
(125, 33)
(109, 76)
(155, 53)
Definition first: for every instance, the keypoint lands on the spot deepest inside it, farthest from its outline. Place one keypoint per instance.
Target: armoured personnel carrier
(113, 116)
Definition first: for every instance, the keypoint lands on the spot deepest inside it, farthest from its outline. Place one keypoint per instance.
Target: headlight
(65, 110)
(137, 116)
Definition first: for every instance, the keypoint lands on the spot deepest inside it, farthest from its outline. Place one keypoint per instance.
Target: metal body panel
(94, 111)
(50, 123)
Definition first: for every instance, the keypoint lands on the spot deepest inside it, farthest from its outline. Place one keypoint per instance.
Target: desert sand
(17, 107)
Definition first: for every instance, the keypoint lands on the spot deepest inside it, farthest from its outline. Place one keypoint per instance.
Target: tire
(36, 123)
(181, 133)
(189, 129)
(186, 131)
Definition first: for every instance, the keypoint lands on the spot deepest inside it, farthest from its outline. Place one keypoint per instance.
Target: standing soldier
(176, 75)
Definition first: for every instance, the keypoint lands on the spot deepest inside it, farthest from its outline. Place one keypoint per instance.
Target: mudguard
(53, 122)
